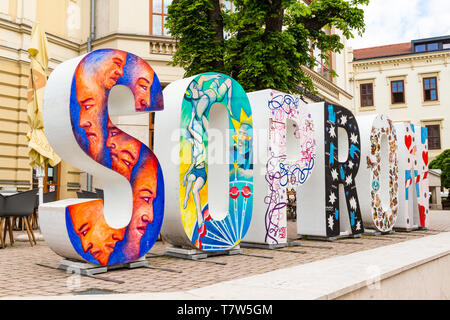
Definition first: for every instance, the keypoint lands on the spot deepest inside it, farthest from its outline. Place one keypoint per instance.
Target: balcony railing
(163, 46)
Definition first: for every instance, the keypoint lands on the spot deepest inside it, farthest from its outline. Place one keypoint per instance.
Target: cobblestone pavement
(21, 276)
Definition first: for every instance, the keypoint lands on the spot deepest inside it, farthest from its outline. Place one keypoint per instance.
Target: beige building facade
(137, 28)
(408, 82)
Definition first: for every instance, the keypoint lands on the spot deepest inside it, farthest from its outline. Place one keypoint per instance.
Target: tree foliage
(262, 43)
(443, 162)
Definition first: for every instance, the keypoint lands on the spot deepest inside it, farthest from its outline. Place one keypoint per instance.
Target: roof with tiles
(382, 51)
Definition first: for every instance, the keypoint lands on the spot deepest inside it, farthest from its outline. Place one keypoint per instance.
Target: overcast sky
(396, 21)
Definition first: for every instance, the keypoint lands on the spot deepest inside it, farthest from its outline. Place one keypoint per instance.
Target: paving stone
(21, 276)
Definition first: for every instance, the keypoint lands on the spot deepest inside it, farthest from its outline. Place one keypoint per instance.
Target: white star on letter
(334, 174)
(349, 180)
(330, 222)
(354, 138)
(353, 203)
(332, 132)
(332, 198)
(351, 164)
(344, 120)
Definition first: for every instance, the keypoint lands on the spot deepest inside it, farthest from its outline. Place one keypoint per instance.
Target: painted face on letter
(91, 99)
(111, 69)
(144, 192)
(124, 150)
(96, 236)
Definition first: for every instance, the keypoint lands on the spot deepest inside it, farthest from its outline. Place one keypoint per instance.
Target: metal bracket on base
(89, 269)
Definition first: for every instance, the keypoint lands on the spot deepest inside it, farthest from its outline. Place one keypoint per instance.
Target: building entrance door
(51, 179)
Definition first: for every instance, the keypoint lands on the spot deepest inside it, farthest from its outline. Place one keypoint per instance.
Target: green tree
(262, 43)
(442, 162)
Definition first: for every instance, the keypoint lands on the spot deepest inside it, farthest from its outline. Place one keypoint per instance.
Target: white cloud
(396, 21)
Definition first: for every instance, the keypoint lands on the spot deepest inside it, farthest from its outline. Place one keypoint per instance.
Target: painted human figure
(241, 152)
(195, 177)
(202, 100)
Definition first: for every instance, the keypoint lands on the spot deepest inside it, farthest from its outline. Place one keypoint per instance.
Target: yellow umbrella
(40, 152)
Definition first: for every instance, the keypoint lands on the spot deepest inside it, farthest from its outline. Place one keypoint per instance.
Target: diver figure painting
(202, 93)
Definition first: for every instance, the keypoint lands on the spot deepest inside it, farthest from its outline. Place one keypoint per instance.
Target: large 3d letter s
(124, 226)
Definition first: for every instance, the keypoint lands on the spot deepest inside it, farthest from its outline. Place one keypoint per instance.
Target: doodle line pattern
(384, 220)
(279, 172)
(341, 173)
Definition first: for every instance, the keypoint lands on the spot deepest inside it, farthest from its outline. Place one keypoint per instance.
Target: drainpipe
(89, 49)
(92, 31)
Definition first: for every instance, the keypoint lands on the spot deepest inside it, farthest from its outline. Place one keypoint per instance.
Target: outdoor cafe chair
(99, 192)
(83, 194)
(2, 220)
(47, 197)
(20, 205)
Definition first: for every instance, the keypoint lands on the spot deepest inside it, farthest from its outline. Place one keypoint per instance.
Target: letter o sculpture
(124, 226)
(197, 215)
(378, 179)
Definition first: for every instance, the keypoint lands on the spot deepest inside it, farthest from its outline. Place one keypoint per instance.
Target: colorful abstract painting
(422, 162)
(383, 218)
(91, 236)
(206, 233)
(282, 173)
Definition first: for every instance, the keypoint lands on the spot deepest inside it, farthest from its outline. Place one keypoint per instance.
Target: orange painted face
(124, 150)
(142, 85)
(144, 192)
(97, 237)
(111, 69)
(91, 98)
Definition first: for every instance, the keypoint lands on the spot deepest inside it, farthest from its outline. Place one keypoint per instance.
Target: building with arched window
(136, 26)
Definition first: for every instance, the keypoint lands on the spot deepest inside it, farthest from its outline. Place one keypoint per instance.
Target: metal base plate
(85, 268)
(371, 232)
(331, 239)
(268, 246)
(413, 228)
